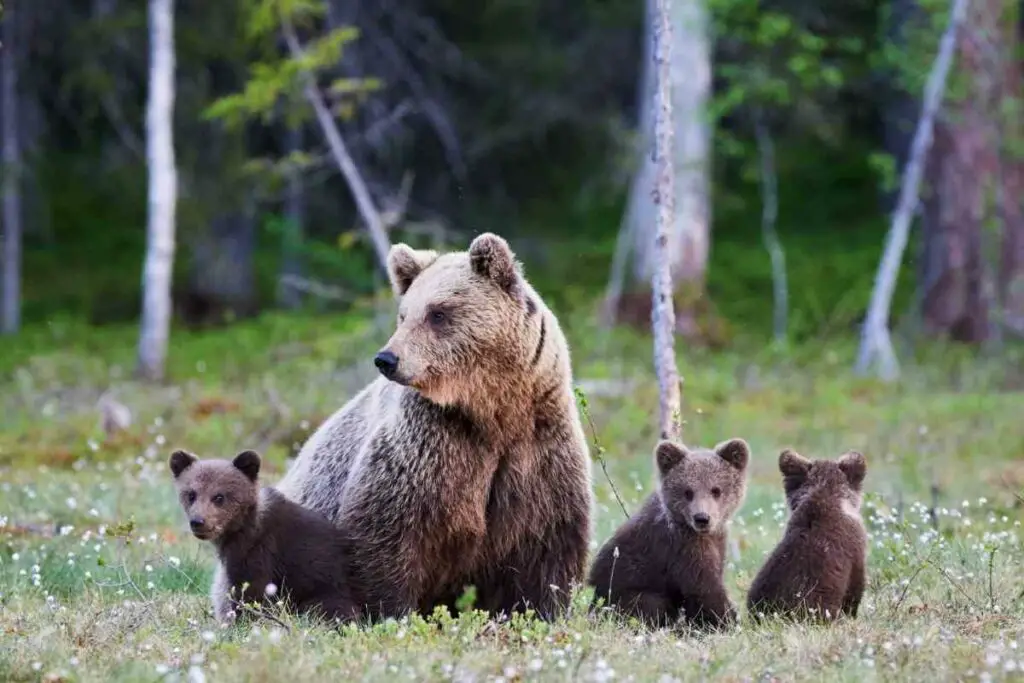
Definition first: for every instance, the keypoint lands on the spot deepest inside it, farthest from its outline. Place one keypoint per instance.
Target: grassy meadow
(101, 581)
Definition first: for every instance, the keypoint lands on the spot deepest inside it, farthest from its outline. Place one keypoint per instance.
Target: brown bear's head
(217, 495)
(465, 320)
(702, 488)
(841, 479)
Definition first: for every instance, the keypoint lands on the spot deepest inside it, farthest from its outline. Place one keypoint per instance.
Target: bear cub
(667, 561)
(262, 539)
(818, 569)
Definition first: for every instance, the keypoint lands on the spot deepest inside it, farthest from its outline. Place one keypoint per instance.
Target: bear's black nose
(387, 363)
(197, 523)
(701, 520)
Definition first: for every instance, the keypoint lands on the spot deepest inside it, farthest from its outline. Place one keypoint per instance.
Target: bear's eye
(437, 317)
(218, 499)
(688, 494)
(716, 492)
(190, 497)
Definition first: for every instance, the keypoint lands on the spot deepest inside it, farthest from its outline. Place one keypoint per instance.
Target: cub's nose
(197, 523)
(701, 520)
(387, 363)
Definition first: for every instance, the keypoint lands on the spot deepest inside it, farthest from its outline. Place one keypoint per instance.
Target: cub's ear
(181, 461)
(405, 264)
(668, 455)
(249, 463)
(792, 464)
(854, 466)
(491, 257)
(736, 452)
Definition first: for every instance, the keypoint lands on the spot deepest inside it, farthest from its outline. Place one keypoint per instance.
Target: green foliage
(773, 61)
(270, 82)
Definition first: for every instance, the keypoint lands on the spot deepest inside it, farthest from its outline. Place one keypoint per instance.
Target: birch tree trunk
(163, 193)
(10, 319)
(876, 341)
(689, 233)
(660, 249)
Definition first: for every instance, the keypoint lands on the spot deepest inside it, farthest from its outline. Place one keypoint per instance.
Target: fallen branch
(876, 341)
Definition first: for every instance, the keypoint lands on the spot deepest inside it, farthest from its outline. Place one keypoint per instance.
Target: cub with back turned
(818, 569)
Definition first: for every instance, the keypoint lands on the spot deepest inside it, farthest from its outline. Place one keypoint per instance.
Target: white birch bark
(689, 72)
(876, 342)
(163, 193)
(663, 195)
(10, 318)
(689, 234)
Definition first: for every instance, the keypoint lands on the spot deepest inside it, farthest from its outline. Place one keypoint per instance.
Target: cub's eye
(437, 317)
(218, 499)
(688, 494)
(190, 497)
(716, 492)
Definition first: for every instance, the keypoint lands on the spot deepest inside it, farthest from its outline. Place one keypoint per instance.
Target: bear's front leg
(710, 608)
(223, 611)
(539, 575)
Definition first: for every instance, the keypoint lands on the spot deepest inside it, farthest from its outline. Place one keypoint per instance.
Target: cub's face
(461, 315)
(844, 477)
(703, 488)
(216, 495)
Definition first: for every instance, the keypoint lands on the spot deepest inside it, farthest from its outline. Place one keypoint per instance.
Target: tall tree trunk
(10, 320)
(689, 234)
(968, 189)
(1011, 267)
(663, 310)
(163, 193)
(292, 230)
(876, 343)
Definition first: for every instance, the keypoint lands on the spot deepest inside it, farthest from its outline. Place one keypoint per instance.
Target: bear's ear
(668, 455)
(490, 256)
(792, 464)
(181, 461)
(736, 452)
(854, 466)
(405, 264)
(249, 463)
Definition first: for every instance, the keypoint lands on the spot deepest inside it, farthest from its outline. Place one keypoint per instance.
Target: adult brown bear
(465, 463)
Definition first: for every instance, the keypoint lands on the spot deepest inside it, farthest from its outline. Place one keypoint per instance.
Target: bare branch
(364, 202)
(663, 309)
(876, 342)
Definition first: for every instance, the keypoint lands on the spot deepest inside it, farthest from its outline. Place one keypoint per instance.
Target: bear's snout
(701, 521)
(387, 363)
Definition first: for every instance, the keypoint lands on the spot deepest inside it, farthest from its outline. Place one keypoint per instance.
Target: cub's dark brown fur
(818, 569)
(262, 539)
(668, 560)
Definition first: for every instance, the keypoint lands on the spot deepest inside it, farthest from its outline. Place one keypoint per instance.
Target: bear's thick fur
(466, 463)
(262, 538)
(818, 569)
(667, 561)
